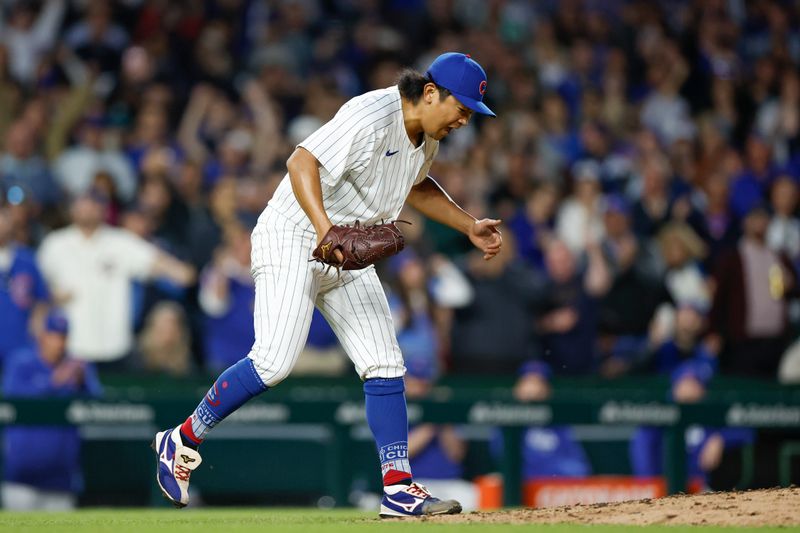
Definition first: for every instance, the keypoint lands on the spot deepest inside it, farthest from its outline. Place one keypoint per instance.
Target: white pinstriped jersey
(368, 164)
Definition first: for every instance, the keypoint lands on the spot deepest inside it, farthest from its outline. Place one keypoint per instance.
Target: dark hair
(410, 83)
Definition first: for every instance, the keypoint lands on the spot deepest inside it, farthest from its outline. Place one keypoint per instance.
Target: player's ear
(428, 92)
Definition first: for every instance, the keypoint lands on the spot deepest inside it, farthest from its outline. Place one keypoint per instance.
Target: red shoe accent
(417, 490)
(186, 431)
(182, 473)
(393, 477)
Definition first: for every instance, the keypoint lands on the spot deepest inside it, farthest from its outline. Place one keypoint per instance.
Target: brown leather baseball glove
(359, 245)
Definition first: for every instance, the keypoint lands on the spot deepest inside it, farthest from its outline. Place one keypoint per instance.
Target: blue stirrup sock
(233, 388)
(388, 419)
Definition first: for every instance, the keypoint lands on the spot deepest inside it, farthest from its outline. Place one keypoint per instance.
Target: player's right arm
(341, 146)
(304, 175)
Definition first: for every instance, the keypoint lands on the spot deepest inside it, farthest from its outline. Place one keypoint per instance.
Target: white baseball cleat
(175, 464)
(414, 500)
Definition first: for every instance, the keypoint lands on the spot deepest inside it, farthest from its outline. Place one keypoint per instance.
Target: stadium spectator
(90, 267)
(652, 209)
(492, 333)
(96, 39)
(413, 311)
(158, 217)
(665, 111)
(567, 322)
(209, 115)
(160, 203)
(103, 183)
(636, 292)
(532, 224)
(559, 145)
(783, 234)
(164, 344)
(29, 34)
(422, 296)
(750, 187)
(211, 135)
(76, 167)
(717, 224)
(23, 292)
(550, 451)
(579, 219)
(749, 311)
(682, 345)
(691, 366)
(151, 133)
(202, 233)
(778, 119)
(227, 298)
(27, 221)
(41, 464)
(636, 289)
(23, 172)
(682, 250)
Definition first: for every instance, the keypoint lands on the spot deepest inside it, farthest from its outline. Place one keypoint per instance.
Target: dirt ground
(769, 507)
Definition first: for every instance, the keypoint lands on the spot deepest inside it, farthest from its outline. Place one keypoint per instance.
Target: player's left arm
(431, 200)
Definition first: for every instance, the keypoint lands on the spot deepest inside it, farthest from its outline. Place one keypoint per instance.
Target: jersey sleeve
(140, 255)
(344, 144)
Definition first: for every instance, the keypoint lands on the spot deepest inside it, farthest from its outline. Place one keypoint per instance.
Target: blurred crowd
(645, 163)
(644, 160)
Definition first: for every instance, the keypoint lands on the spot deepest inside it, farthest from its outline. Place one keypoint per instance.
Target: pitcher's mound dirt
(769, 507)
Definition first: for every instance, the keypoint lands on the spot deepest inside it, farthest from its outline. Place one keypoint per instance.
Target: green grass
(279, 520)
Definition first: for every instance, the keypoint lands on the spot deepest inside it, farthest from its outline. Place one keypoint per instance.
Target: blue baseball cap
(462, 76)
(56, 322)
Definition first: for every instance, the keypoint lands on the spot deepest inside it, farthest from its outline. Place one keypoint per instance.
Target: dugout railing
(133, 409)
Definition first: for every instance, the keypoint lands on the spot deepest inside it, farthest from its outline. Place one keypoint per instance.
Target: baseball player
(363, 165)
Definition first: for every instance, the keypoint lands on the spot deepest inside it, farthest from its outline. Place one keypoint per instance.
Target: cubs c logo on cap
(463, 77)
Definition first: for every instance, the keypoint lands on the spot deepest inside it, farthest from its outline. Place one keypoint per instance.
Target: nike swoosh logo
(389, 153)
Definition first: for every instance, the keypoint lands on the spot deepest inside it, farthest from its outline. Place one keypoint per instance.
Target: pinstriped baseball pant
(288, 287)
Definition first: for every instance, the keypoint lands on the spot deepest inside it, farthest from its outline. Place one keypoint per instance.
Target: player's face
(443, 116)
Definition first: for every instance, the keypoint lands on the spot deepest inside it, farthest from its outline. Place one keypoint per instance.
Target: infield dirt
(768, 507)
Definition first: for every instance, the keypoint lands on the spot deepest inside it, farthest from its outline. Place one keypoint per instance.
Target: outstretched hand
(486, 237)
